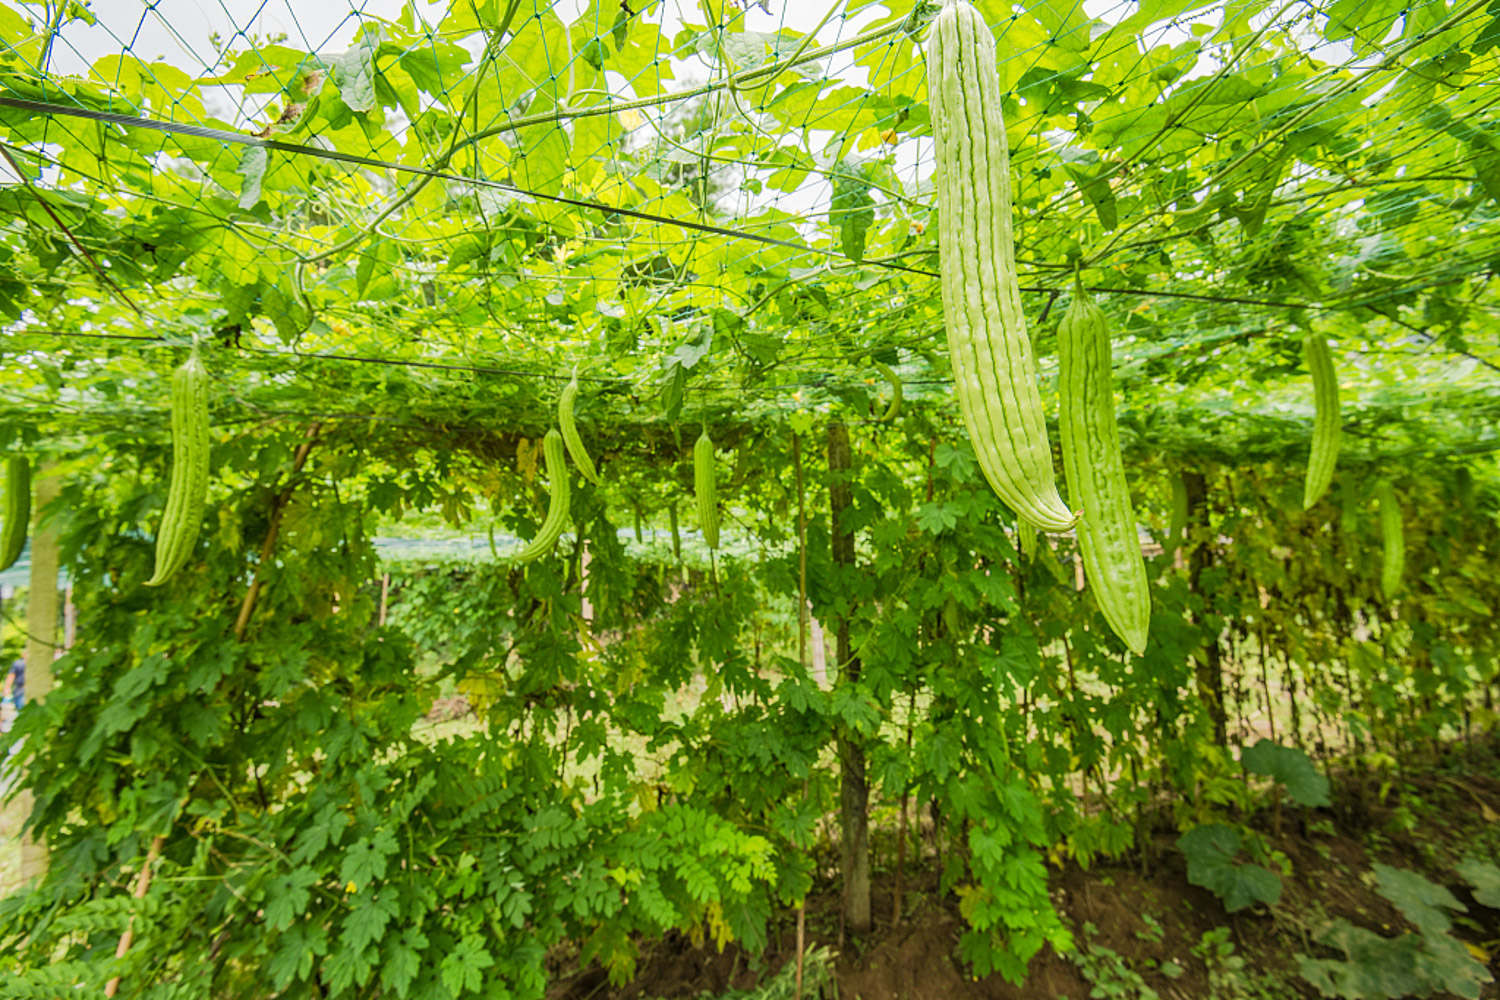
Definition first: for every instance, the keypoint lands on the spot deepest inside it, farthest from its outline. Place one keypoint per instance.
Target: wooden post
(41, 639)
(854, 793)
(1208, 671)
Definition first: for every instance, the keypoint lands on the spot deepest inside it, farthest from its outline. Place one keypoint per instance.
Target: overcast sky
(178, 31)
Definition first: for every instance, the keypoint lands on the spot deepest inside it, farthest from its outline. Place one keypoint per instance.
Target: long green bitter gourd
(994, 372)
(570, 432)
(558, 500)
(1107, 536)
(705, 491)
(187, 491)
(1177, 526)
(17, 509)
(1393, 539)
(676, 534)
(1027, 531)
(893, 408)
(1325, 439)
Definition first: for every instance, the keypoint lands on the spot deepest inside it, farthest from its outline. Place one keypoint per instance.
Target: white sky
(179, 30)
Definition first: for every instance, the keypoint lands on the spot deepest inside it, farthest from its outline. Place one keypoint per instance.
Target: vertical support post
(41, 638)
(1209, 670)
(854, 794)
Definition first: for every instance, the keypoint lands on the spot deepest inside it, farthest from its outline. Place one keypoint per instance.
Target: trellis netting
(727, 205)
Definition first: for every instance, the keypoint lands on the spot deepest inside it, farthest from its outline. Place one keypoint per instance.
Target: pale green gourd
(558, 500)
(1325, 439)
(994, 372)
(187, 493)
(1108, 539)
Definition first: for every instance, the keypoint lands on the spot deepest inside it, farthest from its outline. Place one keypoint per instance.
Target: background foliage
(398, 243)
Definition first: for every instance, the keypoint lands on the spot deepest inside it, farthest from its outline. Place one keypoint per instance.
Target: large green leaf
(1290, 766)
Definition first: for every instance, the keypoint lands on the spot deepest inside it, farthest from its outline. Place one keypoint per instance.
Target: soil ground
(1134, 917)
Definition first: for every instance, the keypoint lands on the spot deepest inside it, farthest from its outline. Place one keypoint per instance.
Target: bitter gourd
(1027, 531)
(1393, 539)
(570, 432)
(993, 369)
(1107, 536)
(893, 408)
(1325, 439)
(558, 499)
(187, 492)
(1177, 525)
(705, 491)
(17, 509)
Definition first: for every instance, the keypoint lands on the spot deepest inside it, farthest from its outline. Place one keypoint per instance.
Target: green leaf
(252, 170)
(1210, 850)
(288, 897)
(365, 861)
(1377, 968)
(1091, 174)
(403, 962)
(354, 71)
(1484, 878)
(1420, 901)
(366, 923)
(594, 53)
(434, 64)
(672, 390)
(1362, 22)
(348, 967)
(1290, 766)
(853, 210)
(463, 969)
(1245, 885)
(937, 517)
(297, 949)
(1489, 37)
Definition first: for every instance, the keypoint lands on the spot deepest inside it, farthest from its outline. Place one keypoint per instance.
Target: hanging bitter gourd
(187, 492)
(893, 408)
(1027, 532)
(558, 500)
(570, 432)
(1325, 439)
(704, 489)
(1107, 536)
(17, 509)
(676, 533)
(1177, 525)
(994, 372)
(1393, 539)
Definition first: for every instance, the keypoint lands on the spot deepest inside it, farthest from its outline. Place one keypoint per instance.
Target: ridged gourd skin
(1177, 526)
(994, 372)
(17, 509)
(570, 432)
(893, 408)
(187, 491)
(1107, 535)
(1326, 428)
(705, 491)
(558, 500)
(1393, 541)
(1027, 532)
